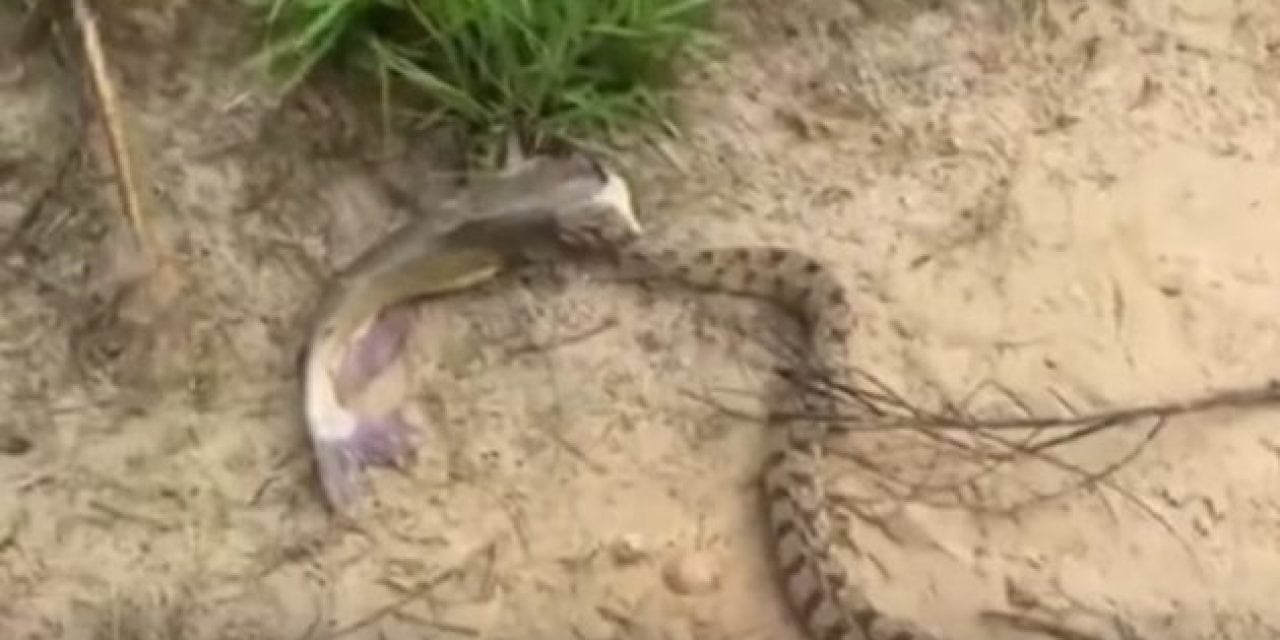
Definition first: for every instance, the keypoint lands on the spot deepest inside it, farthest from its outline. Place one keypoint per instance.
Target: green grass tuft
(547, 71)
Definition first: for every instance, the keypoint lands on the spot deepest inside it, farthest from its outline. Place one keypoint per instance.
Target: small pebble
(692, 573)
(628, 550)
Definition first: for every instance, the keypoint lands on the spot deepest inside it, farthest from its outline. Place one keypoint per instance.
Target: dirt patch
(1073, 203)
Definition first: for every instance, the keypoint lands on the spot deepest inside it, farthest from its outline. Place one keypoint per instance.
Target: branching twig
(917, 418)
(33, 210)
(884, 409)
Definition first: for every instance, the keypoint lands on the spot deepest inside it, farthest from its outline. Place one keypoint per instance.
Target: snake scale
(598, 224)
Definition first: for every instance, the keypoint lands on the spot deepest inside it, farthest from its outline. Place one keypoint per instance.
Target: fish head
(601, 211)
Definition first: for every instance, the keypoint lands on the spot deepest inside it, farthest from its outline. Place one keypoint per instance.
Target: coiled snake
(814, 581)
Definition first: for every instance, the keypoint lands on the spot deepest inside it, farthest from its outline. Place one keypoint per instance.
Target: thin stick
(1240, 398)
(561, 341)
(109, 107)
(411, 595)
(1049, 628)
(37, 206)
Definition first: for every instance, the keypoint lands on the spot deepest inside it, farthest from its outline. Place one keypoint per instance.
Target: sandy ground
(1075, 205)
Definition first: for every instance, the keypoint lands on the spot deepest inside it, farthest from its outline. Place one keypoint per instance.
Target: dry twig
(418, 592)
(873, 405)
(913, 418)
(1041, 626)
(113, 122)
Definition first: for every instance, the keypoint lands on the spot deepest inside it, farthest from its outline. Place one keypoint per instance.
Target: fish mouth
(616, 195)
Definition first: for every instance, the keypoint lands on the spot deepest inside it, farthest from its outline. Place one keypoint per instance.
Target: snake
(579, 209)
